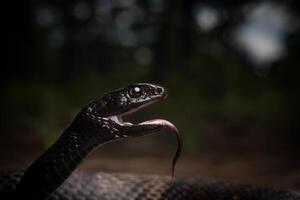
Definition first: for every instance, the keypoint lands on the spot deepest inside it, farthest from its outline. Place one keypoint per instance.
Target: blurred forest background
(231, 67)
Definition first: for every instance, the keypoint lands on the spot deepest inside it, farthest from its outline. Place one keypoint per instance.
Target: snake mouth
(160, 122)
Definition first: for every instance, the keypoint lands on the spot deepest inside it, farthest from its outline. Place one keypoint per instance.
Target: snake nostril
(159, 90)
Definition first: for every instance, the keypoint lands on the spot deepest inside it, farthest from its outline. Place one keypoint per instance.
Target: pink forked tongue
(173, 128)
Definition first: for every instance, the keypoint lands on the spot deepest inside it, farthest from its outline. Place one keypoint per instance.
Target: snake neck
(49, 171)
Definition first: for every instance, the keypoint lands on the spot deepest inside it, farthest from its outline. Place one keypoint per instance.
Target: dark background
(231, 67)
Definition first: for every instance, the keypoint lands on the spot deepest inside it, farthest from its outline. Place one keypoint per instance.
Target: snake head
(105, 115)
(111, 108)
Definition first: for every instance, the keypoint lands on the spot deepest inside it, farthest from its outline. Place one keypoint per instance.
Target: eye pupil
(137, 89)
(135, 92)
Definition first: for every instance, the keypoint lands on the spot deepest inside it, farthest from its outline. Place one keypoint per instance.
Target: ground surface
(145, 156)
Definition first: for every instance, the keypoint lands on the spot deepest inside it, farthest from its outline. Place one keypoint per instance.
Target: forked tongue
(173, 128)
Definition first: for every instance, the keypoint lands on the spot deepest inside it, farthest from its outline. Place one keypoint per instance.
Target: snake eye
(135, 92)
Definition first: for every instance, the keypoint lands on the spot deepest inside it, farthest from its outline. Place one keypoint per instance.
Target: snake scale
(52, 175)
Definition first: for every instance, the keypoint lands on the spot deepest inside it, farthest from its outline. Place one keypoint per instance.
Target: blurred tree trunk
(174, 42)
(19, 41)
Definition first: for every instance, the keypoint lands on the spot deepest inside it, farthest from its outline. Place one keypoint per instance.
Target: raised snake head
(105, 115)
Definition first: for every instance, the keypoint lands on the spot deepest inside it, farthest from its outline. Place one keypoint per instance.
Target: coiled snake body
(101, 122)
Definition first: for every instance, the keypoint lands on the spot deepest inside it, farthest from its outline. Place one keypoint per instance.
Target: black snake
(101, 122)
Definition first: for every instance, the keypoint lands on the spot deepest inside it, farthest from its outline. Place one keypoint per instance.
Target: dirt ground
(140, 157)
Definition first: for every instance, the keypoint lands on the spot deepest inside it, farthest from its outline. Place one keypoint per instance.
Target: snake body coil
(100, 122)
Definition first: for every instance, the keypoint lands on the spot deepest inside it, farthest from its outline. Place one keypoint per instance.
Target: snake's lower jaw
(136, 130)
(161, 122)
(146, 127)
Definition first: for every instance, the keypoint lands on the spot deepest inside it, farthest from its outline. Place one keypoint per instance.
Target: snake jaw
(154, 122)
(161, 122)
